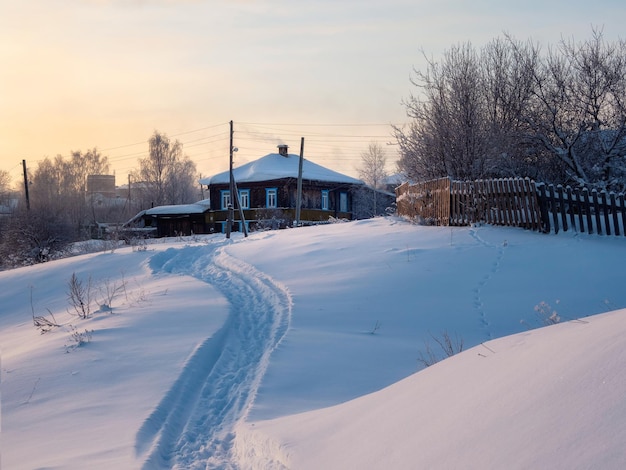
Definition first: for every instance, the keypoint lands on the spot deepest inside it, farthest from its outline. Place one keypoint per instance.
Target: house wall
(258, 216)
(177, 225)
(287, 194)
(259, 213)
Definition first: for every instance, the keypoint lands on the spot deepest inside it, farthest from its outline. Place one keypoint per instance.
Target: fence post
(559, 189)
(587, 197)
(605, 208)
(614, 210)
(555, 213)
(570, 199)
(533, 203)
(623, 208)
(581, 209)
(596, 206)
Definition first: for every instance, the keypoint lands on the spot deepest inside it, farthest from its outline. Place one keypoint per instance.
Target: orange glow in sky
(78, 74)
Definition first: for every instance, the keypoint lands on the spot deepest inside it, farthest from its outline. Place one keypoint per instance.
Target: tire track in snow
(192, 426)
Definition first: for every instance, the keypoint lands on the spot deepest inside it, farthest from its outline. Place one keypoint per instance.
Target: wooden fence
(518, 202)
(581, 210)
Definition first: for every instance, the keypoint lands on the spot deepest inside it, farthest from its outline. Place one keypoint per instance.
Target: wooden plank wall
(428, 201)
(518, 202)
(581, 210)
(510, 202)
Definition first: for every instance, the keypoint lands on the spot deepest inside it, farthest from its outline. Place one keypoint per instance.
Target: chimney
(282, 150)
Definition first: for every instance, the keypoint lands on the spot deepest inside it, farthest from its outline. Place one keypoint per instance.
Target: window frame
(225, 199)
(244, 202)
(269, 192)
(325, 204)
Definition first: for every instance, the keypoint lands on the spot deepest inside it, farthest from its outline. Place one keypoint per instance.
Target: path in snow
(192, 426)
(478, 300)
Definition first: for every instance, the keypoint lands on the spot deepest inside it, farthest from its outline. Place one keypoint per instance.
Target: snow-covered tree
(373, 169)
(166, 176)
(510, 110)
(580, 110)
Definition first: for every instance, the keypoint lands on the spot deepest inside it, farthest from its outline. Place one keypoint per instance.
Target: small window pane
(225, 199)
(271, 198)
(325, 200)
(244, 198)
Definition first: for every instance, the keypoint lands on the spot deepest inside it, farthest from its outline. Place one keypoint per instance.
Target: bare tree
(5, 181)
(166, 176)
(580, 110)
(59, 186)
(448, 134)
(373, 172)
(508, 67)
(373, 169)
(5, 190)
(509, 110)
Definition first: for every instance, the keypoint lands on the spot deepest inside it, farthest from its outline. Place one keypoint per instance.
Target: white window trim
(225, 193)
(325, 200)
(244, 202)
(268, 192)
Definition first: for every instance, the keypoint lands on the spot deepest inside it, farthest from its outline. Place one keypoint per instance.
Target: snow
(275, 166)
(298, 349)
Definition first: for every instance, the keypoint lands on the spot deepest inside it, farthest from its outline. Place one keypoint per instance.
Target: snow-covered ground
(299, 349)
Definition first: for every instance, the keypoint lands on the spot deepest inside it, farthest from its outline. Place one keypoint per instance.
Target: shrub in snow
(547, 314)
(79, 295)
(42, 323)
(109, 291)
(78, 338)
(139, 244)
(446, 346)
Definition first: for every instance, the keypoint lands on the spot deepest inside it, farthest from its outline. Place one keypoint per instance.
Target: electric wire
(324, 142)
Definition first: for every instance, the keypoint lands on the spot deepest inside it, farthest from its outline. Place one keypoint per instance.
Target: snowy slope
(216, 347)
(550, 398)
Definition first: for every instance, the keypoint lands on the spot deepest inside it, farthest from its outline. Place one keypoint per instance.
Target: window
(225, 195)
(325, 199)
(343, 202)
(244, 198)
(271, 198)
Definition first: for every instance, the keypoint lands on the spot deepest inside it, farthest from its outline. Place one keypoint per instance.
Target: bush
(447, 346)
(79, 296)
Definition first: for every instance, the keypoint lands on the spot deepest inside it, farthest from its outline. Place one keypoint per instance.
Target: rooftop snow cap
(282, 150)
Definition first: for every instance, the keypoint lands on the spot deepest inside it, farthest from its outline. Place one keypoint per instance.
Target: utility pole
(231, 212)
(242, 217)
(299, 190)
(26, 185)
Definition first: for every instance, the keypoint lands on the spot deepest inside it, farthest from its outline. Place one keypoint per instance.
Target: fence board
(614, 213)
(513, 202)
(621, 199)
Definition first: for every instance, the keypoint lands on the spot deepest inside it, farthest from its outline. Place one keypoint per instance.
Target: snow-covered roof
(195, 208)
(275, 166)
(396, 179)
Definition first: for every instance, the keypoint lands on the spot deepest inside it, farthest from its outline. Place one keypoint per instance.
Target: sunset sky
(78, 74)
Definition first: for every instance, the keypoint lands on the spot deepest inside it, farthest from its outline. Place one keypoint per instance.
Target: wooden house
(267, 191)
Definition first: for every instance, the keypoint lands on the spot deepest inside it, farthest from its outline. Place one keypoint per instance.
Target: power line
(325, 141)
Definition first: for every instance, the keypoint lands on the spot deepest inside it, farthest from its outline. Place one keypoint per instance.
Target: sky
(298, 349)
(79, 74)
